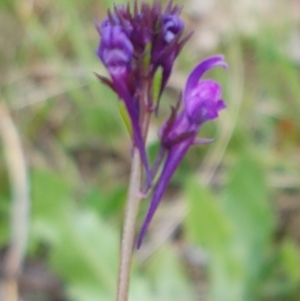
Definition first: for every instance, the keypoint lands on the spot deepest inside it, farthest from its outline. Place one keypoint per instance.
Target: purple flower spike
(135, 42)
(202, 102)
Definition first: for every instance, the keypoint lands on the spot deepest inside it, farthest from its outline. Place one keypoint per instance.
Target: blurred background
(229, 226)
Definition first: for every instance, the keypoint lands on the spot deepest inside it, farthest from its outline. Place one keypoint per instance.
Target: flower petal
(200, 69)
(203, 103)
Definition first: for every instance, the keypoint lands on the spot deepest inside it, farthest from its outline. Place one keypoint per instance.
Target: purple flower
(115, 49)
(116, 52)
(202, 102)
(133, 45)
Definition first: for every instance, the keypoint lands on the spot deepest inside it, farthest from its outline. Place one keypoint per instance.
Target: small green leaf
(125, 117)
(157, 82)
(147, 56)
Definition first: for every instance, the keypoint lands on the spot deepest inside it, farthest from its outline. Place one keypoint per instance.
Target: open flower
(201, 102)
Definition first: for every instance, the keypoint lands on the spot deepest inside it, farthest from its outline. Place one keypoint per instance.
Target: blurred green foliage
(244, 214)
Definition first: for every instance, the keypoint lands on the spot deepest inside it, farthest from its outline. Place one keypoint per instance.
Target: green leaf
(246, 204)
(205, 223)
(169, 281)
(290, 258)
(107, 203)
(4, 220)
(125, 117)
(236, 232)
(50, 200)
(86, 255)
(157, 82)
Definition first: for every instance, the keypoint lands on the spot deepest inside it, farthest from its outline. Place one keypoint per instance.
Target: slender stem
(132, 207)
(131, 212)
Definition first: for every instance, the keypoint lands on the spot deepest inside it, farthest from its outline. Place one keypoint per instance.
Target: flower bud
(172, 25)
(115, 49)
